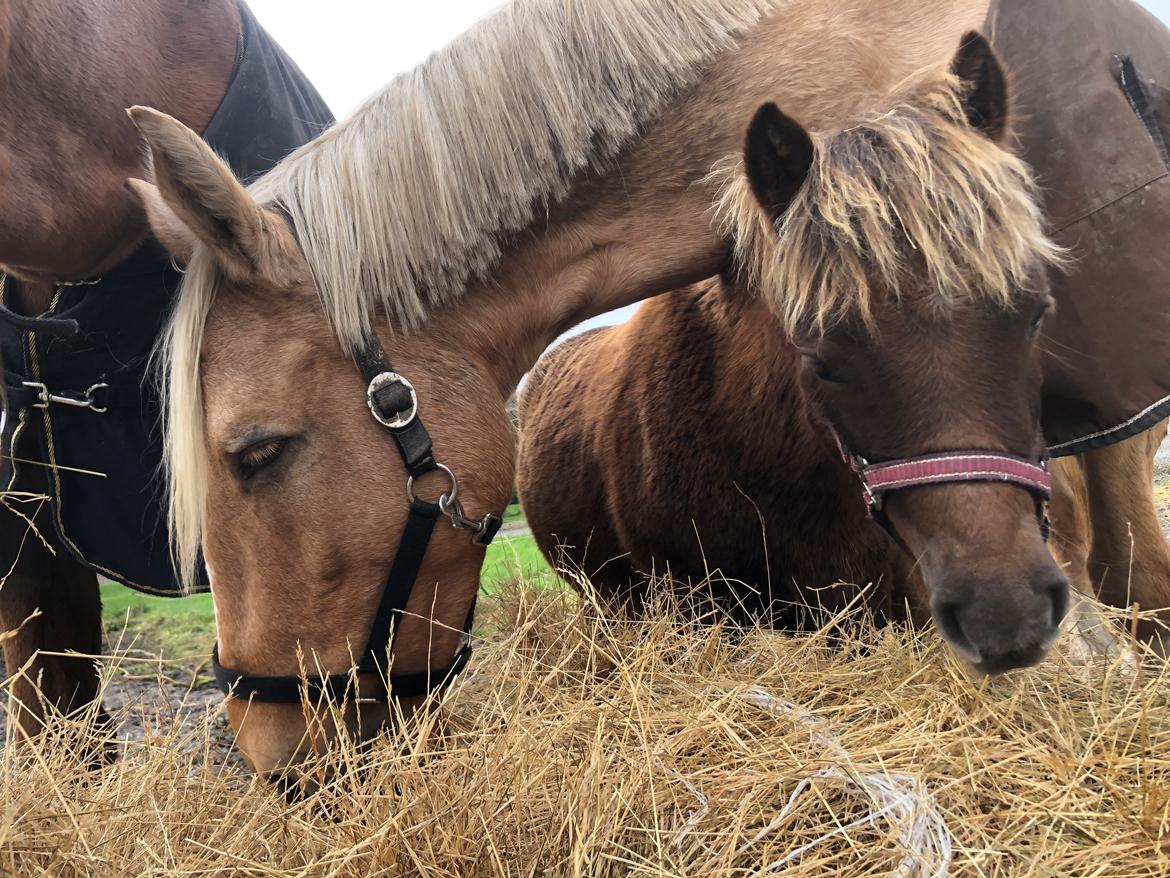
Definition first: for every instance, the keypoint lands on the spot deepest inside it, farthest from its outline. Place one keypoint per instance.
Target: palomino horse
(553, 164)
(82, 429)
(910, 280)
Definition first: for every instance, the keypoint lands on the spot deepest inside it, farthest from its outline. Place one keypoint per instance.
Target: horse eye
(1038, 321)
(258, 457)
(820, 368)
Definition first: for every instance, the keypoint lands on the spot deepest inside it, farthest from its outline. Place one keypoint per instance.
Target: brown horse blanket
(117, 524)
(1091, 80)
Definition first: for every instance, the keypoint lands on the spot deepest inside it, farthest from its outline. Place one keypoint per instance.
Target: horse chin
(275, 739)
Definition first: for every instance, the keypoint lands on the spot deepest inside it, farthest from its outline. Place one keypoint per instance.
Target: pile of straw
(580, 747)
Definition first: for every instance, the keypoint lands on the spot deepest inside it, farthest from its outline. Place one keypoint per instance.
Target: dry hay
(575, 747)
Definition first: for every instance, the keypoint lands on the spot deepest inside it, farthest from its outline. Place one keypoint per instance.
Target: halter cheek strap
(393, 403)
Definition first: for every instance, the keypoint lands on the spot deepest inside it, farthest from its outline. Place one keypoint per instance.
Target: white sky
(350, 48)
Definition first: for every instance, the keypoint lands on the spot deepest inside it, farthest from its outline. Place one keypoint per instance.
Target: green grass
(172, 627)
(511, 557)
(185, 627)
(513, 513)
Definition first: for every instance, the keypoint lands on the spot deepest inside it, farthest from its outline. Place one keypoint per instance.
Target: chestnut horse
(554, 163)
(910, 281)
(1103, 533)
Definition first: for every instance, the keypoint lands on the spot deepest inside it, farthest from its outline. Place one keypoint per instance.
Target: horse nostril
(1058, 594)
(946, 617)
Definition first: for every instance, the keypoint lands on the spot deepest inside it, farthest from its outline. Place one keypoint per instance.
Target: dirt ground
(148, 699)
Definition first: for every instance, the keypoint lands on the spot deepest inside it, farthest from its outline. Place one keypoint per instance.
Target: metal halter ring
(446, 498)
(384, 380)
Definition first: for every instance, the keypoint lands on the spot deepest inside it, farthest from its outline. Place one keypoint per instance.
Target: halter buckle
(404, 417)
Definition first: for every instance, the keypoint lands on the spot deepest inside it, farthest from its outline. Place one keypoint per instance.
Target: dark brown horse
(82, 490)
(66, 149)
(703, 437)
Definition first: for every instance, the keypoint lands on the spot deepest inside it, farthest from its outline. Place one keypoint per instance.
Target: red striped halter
(948, 467)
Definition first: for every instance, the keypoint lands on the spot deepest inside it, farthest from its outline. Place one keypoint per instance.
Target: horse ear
(197, 192)
(779, 155)
(986, 89)
(179, 240)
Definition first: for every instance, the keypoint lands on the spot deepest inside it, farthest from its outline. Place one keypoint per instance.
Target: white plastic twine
(900, 800)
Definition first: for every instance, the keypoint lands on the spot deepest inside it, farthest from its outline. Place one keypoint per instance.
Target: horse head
(907, 261)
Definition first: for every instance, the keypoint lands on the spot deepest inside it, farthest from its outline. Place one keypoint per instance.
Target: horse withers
(906, 258)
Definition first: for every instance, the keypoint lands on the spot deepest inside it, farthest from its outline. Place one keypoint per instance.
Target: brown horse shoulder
(66, 146)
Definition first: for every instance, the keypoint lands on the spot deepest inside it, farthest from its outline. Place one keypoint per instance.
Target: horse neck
(643, 226)
(68, 71)
(759, 372)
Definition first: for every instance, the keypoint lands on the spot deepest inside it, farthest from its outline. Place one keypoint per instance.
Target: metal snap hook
(91, 398)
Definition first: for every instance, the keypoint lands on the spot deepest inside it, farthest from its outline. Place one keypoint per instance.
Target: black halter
(394, 404)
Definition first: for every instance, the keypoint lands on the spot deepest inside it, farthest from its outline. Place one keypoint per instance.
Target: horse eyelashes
(256, 457)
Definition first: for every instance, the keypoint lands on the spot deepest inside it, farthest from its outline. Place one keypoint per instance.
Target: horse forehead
(254, 371)
(256, 329)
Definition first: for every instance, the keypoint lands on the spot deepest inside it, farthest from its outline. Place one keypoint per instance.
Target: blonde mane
(399, 206)
(914, 189)
(402, 204)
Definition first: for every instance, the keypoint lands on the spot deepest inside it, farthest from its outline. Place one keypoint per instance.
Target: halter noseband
(394, 404)
(879, 479)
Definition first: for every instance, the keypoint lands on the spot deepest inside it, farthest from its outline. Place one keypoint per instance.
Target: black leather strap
(55, 326)
(420, 524)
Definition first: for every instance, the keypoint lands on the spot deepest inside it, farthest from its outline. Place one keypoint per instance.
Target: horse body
(66, 144)
(1107, 196)
(654, 468)
(66, 148)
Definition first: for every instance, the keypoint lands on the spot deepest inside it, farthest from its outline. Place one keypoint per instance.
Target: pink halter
(880, 479)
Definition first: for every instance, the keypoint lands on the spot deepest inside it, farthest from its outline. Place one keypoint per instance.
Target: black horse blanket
(117, 524)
